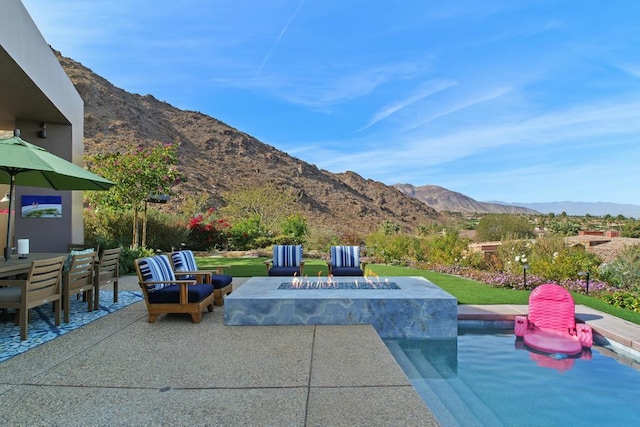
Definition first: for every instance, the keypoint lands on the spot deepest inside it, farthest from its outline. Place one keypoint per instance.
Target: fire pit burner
(318, 284)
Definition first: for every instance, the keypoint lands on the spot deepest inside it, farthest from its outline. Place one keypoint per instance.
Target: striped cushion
(184, 261)
(287, 255)
(155, 269)
(345, 256)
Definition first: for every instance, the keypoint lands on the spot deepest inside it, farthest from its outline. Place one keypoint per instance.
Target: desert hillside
(216, 158)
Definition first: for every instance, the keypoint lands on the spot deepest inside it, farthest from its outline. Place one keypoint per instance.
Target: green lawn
(465, 290)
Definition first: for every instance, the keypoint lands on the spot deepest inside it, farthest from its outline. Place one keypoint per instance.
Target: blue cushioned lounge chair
(287, 261)
(345, 261)
(185, 267)
(163, 293)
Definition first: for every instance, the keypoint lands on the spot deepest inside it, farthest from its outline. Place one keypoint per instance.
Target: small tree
(249, 234)
(268, 203)
(294, 229)
(390, 227)
(631, 229)
(494, 227)
(138, 174)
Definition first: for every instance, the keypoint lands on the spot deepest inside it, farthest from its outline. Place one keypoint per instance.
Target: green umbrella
(22, 163)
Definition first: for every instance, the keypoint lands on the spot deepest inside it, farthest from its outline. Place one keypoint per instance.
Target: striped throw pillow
(184, 261)
(345, 256)
(156, 269)
(287, 255)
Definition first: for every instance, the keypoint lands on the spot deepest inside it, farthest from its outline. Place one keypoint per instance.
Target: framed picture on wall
(41, 206)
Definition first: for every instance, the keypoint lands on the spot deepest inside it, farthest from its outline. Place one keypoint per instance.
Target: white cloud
(284, 30)
(425, 90)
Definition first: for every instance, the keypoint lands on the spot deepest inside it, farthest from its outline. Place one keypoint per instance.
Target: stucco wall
(37, 90)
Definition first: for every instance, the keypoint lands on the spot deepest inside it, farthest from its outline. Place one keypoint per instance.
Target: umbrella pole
(7, 248)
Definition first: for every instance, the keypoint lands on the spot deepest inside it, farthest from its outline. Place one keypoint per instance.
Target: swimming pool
(482, 379)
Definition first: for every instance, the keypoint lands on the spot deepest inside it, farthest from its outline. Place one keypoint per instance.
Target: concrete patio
(121, 370)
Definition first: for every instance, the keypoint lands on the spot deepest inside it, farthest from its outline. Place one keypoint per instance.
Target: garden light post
(524, 270)
(585, 273)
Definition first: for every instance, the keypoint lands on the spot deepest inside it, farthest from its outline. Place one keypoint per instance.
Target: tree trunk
(134, 241)
(144, 226)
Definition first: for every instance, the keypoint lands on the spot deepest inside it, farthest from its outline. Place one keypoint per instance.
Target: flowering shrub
(623, 299)
(249, 234)
(624, 271)
(597, 288)
(206, 232)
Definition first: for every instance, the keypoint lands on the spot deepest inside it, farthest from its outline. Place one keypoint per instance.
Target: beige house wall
(34, 89)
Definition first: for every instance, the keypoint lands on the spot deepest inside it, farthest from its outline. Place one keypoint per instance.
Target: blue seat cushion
(347, 271)
(171, 294)
(221, 280)
(284, 271)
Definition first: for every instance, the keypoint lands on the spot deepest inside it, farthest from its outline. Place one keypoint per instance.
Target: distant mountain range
(443, 200)
(582, 208)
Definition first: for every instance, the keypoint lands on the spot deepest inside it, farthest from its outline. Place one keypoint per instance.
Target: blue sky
(535, 101)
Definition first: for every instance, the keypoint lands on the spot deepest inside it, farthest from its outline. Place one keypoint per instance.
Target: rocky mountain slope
(216, 158)
(443, 200)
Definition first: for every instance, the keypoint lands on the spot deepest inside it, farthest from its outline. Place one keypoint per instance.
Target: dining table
(16, 265)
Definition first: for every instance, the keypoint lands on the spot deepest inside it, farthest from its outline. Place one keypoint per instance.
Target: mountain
(583, 208)
(443, 200)
(216, 158)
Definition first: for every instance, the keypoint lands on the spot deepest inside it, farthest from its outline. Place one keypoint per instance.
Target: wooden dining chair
(107, 272)
(42, 286)
(78, 279)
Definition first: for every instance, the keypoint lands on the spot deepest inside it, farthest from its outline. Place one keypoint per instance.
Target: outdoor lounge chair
(42, 286)
(551, 325)
(185, 267)
(345, 261)
(107, 272)
(287, 261)
(163, 293)
(77, 278)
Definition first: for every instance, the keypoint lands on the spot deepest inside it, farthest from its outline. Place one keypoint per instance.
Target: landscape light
(585, 273)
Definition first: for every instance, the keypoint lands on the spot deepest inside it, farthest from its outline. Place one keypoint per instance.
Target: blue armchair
(163, 293)
(185, 267)
(345, 261)
(287, 261)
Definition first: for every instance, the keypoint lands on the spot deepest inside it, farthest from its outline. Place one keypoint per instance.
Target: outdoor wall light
(5, 198)
(43, 130)
(585, 274)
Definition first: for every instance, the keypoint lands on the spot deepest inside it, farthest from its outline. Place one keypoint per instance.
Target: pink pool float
(551, 325)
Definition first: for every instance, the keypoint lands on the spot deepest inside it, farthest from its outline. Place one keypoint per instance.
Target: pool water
(487, 379)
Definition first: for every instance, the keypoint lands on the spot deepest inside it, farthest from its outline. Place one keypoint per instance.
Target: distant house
(606, 244)
(608, 233)
(37, 97)
(487, 249)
